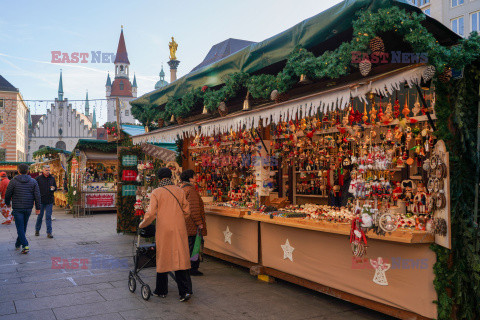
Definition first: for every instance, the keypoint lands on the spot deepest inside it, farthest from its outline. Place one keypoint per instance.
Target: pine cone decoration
(428, 73)
(446, 75)
(222, 109)
(377, 45)
(365, 67)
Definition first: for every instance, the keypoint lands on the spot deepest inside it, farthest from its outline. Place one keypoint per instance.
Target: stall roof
(309, 33)
(133, 130)
(50, 149)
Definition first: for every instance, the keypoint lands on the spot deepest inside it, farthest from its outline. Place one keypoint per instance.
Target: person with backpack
(22, 193)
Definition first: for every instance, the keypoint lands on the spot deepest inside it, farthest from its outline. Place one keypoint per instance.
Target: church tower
(121, 87)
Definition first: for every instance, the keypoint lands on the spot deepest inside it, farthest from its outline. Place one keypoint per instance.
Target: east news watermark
(89, 263)
(390, 57)
(395, 263)
(83, 57)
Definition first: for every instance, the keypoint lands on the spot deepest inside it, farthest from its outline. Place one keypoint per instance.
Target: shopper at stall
(196, 221)
(4, 210)
(22, 192)
(48, 186)
(169, 207)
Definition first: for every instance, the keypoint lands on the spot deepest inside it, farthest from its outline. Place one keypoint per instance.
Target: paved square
(82, 274)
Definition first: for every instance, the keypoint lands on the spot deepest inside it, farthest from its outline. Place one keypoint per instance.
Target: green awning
(255, 57)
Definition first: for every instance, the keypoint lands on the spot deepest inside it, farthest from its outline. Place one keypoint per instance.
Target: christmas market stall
(57, 160)
(92, 170)
(341, 155)
(10, 168)
(138, 167)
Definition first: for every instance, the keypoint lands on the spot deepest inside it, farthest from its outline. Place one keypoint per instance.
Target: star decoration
(228, 235)
(287, 250)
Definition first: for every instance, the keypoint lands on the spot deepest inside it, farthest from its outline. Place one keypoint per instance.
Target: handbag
(197, 246)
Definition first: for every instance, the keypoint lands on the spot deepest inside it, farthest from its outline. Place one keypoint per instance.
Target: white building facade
(62, 126)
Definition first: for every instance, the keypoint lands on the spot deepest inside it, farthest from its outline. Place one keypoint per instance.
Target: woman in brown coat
(170, 207)
(196, 220)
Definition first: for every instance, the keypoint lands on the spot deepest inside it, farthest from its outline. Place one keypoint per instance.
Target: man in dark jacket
(48, 186)
(196, 220)
(22, 192)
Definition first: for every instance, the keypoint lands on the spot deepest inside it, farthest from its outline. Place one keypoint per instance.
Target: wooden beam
(221, 256)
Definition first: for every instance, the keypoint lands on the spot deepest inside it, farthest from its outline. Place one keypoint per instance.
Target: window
(427, 11)
(1, 119)
(476, 21)
(121, 85)
(457, 3)
(3, 155)
(2, 104)
(121, 68)
(1, 137)
(457, 26)
(126, 113)
(115, 112)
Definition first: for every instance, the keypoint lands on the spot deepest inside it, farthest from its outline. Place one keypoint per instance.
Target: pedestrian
(169, 207)
(196, 221)
(4, 210)
(22, 193)
(48, 186)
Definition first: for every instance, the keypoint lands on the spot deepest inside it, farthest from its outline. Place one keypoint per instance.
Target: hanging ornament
(388, 113)
(406, 110)
(396, 107)
(376, 45)
(416, 107)
(445, 76)
(172, 119)
(274, 95)
(365, 67)
(205, 110)
(373, 113)
(222, 109)
(358, 240)
(380, 111)
(365, 114)
(428, 73)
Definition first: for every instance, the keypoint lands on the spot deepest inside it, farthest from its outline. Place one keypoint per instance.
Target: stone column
(173, 69)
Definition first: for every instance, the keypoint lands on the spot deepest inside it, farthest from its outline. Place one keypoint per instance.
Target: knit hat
(3, 174)
(163, 173)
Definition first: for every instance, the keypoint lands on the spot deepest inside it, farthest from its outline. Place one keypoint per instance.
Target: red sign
(99, 200)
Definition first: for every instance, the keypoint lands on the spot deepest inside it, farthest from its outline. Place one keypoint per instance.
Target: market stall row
(339, 179)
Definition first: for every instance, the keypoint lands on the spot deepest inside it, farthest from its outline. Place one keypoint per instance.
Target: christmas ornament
(376, 45)
(287, 250)
(416, 107)
(428, 73)
(228, 236)
(445, 76)
(365, 66)
(380, 268)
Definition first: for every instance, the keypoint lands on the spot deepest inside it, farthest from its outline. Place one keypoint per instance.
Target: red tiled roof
(127, 88)
(35, 119)
(122, 55)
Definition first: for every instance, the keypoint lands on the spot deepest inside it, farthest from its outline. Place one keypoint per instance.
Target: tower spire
(122, 55)
(60, 87)
(94, 119)
(134, 81)
(87, 107)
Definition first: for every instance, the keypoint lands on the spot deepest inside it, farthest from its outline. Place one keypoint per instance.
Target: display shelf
(399, 235)
(226, 211)
(310, 195)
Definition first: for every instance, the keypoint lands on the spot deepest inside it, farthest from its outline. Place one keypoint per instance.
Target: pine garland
(457, 271)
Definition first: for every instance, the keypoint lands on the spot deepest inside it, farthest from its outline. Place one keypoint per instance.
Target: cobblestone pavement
(31, 289)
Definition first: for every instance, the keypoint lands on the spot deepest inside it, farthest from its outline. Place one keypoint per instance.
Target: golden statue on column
(172, 45)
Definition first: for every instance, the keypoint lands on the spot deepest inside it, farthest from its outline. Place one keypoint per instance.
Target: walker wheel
(146, 293)
(132, 284)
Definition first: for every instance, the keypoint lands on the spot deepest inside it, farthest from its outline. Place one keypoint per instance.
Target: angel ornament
(380, 267)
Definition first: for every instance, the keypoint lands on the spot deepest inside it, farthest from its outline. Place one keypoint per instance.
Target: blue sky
(30, 30)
